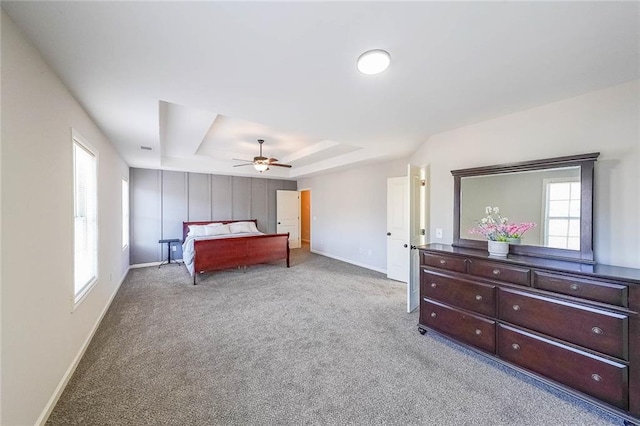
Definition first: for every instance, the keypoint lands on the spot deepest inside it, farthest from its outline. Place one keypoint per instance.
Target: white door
(417, 226)
(397, 229)
(288, 216)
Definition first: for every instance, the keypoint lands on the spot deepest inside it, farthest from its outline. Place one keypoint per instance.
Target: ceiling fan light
(374, 61)
(261, 167)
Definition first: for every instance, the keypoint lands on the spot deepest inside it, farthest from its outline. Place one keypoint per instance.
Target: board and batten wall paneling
(259, 202)
(199, 197)
(175, 202)
(145, 226)
(272, 187)
(241, 197)
(221, 207)
(162, 200)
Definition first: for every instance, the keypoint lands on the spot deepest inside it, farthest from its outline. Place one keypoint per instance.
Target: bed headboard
(185, 225)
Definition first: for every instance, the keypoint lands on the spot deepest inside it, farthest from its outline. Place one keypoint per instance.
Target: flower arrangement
(495, 227)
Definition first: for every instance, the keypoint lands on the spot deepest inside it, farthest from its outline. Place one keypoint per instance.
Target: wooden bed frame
(223, 253)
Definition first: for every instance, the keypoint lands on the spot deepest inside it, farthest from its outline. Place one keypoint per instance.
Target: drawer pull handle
(478, 297)
(515, 346)
(434, 285)
(443, 262)
(496, 272)
(597, 330)
(433, 315)
(596, 377)
(574, 287)
(478, 332)
(516, 307)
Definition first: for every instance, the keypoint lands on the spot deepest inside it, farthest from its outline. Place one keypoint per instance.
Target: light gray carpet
(323, 342)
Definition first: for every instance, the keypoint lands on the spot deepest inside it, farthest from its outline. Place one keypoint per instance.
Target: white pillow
(251, 225)
(239, 227)
(196, 231)
(217, 229)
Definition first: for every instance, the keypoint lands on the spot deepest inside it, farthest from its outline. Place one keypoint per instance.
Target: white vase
(498, 248)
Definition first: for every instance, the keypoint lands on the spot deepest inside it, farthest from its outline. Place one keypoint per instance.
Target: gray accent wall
(161, 200)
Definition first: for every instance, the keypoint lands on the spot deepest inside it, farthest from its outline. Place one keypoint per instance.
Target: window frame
(126, 214)
(78, 295)
(546, 183)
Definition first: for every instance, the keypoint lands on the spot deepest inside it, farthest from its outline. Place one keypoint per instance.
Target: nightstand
(168, 242)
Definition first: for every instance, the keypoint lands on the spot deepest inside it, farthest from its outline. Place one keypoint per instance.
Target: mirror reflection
(550, 198)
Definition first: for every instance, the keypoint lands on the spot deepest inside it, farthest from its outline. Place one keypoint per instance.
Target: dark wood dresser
(571, 325)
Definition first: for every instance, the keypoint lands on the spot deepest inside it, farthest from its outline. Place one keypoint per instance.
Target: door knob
(405, 246)
(388, 234)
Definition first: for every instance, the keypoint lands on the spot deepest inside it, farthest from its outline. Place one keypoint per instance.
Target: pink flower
(496, 228)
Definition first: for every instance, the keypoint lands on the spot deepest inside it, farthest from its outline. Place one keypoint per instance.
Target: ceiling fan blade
(280, 165)
(272, 160)
(240, 165)
(239, 159)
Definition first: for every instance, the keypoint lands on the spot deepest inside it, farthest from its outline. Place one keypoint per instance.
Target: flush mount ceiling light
(374, 61)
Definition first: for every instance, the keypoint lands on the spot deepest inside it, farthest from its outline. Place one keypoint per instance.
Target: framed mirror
(552, 197)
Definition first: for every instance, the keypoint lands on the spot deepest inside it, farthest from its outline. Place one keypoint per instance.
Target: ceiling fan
(261, 163)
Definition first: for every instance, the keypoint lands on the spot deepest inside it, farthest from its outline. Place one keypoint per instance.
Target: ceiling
(200, 82)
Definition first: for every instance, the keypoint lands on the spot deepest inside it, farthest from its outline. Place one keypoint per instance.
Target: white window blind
(85, 223)
(125, 213)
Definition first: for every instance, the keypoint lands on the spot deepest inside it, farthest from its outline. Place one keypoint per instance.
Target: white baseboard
(146, 265)
(74, 364)
(342, 259)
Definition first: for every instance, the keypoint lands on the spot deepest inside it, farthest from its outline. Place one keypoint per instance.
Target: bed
(215, 245)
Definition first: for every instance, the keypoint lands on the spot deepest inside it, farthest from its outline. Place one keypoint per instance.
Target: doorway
(305, 217)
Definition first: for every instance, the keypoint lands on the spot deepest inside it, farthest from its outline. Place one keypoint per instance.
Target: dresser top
(598, 270)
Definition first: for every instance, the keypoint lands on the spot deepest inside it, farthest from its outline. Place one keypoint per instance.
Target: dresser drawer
(593, 375)
(500, 271)
(589, 327)
(459, 292)
(467, 328)
(449, 263)
(615, 294)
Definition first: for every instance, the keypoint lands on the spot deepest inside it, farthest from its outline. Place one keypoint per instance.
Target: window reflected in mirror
(562, 213)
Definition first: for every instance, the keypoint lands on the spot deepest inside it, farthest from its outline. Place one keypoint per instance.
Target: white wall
(349, 213)
(41, 336)
(605, 121)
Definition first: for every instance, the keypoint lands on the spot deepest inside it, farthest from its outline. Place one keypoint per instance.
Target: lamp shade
(261, 167)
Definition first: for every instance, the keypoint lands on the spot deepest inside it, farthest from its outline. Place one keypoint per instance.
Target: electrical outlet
(438, 232)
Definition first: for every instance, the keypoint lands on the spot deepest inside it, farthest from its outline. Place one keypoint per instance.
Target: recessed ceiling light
(374, 61)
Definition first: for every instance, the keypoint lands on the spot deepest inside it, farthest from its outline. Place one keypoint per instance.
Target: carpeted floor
(323, 342)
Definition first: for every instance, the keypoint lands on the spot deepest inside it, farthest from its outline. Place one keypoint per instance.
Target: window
(125, 213)
(562, 213)
(85, 217)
